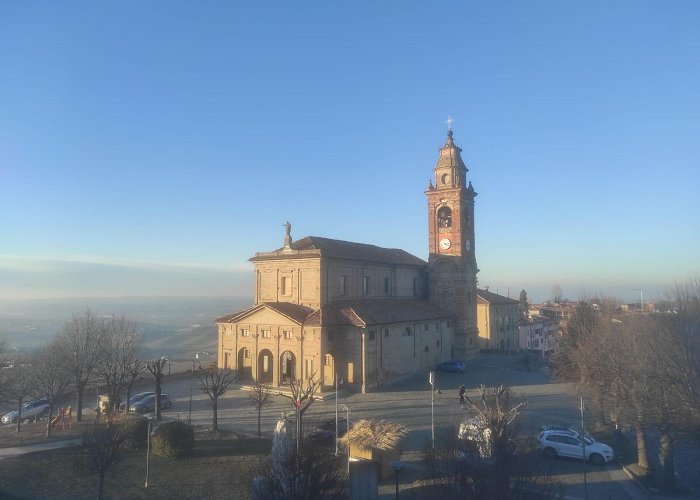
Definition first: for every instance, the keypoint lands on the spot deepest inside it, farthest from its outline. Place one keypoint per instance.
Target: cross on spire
(449, 122)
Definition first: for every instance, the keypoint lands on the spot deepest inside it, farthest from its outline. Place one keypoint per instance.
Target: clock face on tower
(445, 243)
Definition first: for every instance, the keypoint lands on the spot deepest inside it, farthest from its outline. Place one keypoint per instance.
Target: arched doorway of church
(265, 361)
(288, 367)
(245, 365)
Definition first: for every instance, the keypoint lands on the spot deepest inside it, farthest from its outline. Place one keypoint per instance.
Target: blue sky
(151, 148)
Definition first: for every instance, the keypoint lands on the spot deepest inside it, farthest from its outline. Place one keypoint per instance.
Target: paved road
(409, 403)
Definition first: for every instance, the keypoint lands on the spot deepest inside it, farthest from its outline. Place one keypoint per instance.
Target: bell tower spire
(452, 262)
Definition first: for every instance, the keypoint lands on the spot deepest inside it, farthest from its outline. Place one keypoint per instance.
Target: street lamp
(397, 465)
(347, 431)
(431, 380)
(148, 450)
(336, 413)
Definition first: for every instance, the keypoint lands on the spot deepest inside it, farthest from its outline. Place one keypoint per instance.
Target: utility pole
(585, 479)
(431, 379)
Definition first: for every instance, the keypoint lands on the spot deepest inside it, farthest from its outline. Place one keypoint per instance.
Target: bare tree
(20, 385)
(80, 346)
(309, 474)
(497, 411)
(134, 370)
(102, 448)
(214, 383)
(119, 352)
(259, 398)
(557, 294)
(155, 367)
(51, 380)
(303, 395)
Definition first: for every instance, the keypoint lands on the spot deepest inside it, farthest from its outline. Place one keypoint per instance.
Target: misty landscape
(174, 327)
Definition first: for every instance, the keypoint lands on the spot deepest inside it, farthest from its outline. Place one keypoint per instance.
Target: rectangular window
(284, 285)
(387, 286)
(343, 285)
(287, 334)
(371, 335)
(386, 332)
(415, 287)
(426, 327)
(365, 285)
(266, 334)
(245, 332)
(247, 353)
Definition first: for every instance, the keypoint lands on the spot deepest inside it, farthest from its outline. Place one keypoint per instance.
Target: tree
(51, 380)
(19, 386)
(155, 367)
(259, 398)
(308, 474)
(557, 294)
(214, 383)
(119, 353)
(102, 448)
(523, 306)
(80, 345)
(301, 398)
(496, 411)
(134, 370)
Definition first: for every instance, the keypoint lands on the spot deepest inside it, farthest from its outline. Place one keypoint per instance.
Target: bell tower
(452, 262)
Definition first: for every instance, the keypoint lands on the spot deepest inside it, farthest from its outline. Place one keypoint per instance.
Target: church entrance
(265, 361)
(288, 367)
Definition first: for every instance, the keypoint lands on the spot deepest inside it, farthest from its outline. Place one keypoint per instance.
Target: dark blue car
(454, 366)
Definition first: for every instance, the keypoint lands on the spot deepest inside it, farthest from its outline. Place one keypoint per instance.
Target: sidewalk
(32, 448)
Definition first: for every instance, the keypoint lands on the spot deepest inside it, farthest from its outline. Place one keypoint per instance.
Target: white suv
(569, 443)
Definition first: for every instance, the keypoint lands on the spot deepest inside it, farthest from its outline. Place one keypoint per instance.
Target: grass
(35, 432)
(220, 467)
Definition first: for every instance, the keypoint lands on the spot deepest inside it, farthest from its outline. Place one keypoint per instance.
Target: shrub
(135, 431)
(173, 439)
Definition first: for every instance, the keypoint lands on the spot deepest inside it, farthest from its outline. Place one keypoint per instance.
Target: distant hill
(171, 326)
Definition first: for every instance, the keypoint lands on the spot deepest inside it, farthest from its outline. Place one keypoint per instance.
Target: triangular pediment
(270, 314)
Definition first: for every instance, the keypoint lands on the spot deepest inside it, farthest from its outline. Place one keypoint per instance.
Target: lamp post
(431, 380)
(148, 450)
(336, 414)
(397, 465)
(347, 431)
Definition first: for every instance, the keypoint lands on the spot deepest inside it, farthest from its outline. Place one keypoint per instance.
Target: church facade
(368, 315)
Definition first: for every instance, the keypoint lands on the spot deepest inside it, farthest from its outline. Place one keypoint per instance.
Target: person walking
(462, 392)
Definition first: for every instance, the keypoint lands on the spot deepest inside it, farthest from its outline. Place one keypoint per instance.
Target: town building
(497, 320)
(541, 334)
(368, 315)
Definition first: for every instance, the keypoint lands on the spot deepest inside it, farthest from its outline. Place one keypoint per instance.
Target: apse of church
(329, 308)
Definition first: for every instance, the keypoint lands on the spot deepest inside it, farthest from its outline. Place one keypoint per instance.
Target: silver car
(30, 410)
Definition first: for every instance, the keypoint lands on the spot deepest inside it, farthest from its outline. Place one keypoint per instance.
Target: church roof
(494, 298)
(376, 312)
(294, 312)
(339, 249)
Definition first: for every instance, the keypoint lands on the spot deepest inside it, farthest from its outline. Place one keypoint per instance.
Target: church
(368, 315)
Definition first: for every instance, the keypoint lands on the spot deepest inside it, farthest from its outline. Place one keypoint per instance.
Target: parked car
(324, 433)
(148, 404)
(30, 410)
(453, 365)
(136, 398)
(569, 443)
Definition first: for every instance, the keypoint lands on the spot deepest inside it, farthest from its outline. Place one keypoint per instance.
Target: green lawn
(217, 469)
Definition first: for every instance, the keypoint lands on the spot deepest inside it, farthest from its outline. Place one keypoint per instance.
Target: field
(220, 467)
